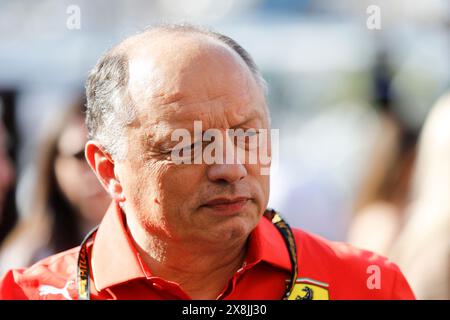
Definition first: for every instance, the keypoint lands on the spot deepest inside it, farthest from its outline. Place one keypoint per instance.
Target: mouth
(227, 206)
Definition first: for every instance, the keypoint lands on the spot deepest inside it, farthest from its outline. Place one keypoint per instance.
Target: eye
(188, 151)
(247, 139)
(195, 145)
(251, 133)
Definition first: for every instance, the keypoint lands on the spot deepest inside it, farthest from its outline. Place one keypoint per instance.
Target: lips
(227, 206)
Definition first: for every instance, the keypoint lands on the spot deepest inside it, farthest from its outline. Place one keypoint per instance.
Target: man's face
(203, 81)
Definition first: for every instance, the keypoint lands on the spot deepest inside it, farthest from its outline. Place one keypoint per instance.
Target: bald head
(157, 65)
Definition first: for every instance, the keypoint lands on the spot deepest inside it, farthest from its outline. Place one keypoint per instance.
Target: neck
(202, 271)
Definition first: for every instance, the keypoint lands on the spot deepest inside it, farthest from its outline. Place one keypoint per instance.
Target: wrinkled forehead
(192, 77)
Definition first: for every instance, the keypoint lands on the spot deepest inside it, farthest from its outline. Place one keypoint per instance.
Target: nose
(229, 173)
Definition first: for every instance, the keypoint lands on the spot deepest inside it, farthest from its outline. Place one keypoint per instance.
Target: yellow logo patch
(309, 289)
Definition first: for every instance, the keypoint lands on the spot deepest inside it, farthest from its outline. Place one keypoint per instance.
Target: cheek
(161, 185)
(261, 181)
(266, 189)
(177, 186)
(163, 196)
(263, 192)
(139, 185)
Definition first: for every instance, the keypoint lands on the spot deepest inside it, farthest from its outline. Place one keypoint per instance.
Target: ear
(103, 166)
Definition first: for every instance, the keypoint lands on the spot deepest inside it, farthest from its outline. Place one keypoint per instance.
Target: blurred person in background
(67, 199)
(407, 204)
(422, 249)
(7, 194)
(384, 190)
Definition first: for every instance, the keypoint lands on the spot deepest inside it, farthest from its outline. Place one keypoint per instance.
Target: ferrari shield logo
(309, 289)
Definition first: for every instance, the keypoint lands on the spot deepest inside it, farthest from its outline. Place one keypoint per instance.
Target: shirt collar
(267, 244)
(115, 260)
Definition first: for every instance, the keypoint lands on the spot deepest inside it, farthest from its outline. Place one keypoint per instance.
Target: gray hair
(109, 106)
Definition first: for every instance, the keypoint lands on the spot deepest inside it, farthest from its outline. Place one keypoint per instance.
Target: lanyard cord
(83, 271)
(288, 237)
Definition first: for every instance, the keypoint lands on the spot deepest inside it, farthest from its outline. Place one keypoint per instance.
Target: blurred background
(364, 152)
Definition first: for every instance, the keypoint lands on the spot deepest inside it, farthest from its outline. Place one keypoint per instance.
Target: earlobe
(103, 166)
(116, 191)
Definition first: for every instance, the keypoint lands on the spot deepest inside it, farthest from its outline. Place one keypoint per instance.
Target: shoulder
(351, 273)
(52, 277)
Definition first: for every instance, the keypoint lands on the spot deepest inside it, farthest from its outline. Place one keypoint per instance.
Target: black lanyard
(289, 240)
(83, 272)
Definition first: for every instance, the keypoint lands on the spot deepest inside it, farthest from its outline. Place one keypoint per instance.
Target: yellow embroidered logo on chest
(309, 289)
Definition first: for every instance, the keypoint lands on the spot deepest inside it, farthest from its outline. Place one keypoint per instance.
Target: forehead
(179, 79)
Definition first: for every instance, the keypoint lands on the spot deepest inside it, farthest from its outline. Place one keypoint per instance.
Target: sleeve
(9, 288)
(401, 289)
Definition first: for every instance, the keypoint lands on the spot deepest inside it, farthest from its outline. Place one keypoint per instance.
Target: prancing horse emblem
(309, 294)
(309, 289)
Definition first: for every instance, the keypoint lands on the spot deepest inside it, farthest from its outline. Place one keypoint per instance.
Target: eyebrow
(185, 124)
(253, 118)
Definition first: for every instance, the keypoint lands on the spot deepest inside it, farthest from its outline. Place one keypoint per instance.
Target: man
(182, 230)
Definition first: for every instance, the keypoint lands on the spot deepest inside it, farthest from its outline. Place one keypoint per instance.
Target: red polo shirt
(330, 270)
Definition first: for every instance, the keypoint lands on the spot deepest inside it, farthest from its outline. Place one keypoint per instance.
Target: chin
(237, 228)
